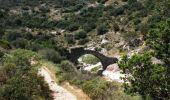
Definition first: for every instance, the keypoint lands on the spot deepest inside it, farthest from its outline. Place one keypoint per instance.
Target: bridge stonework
(75, 53)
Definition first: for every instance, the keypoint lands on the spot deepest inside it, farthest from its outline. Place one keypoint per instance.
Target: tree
(145, 77)
(159, 40)
(19, 79)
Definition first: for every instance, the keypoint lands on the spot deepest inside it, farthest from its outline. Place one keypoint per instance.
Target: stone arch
(76, 52)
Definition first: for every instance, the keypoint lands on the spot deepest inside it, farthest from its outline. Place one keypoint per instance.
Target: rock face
(113, 73)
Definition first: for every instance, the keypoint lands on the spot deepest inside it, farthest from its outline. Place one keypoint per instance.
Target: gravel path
(59, 93)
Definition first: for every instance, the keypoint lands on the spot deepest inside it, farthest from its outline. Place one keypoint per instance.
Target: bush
(73, 27)
(137, 21)
(131, 1)
(11, 36)
(80, 35)
(5, 44)
(51, 55)
(145, 77)
(124, 0)
(1, 54)
(2, 32)
(83, 41)
(68, 66)
(90, 59)
(69, 38)
(19, 79)
(102, 29)
(88, 26)
(118, 11)
(99, 89)
(102, 1)
(20, 43)
(116, 27)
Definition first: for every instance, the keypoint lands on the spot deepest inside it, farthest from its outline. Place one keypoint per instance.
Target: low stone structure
(76, 52)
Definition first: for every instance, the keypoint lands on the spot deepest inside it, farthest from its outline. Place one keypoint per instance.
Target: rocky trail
(65, 91)
(59, 93)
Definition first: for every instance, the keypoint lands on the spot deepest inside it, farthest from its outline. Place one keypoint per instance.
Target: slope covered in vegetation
(45, 29)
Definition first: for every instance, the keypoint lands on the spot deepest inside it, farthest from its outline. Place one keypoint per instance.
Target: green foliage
(145, 78)
(86, 19)
(11, 36)
(102, 1)
(116, 27)
(131, 1)
(80, 35)
(96, 69)
(159, 39)
(89, 26)
(19, 79)
(35, 21)
(4, 44)
(1, 54)
(20, 43)
(124, 0)
(102, 29)
(67, 66)
(69, 38)
(117, 11)
(128, 36)
(96, 88)
(51, 55)
(90, 59)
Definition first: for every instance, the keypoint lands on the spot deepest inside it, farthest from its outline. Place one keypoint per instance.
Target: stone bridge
(76, 52)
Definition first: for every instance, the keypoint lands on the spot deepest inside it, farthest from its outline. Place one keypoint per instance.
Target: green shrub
(89, 26)
(131, 1)
(69, 38)
(90, 59)
(124, 0)
(68, 66)
(19, 79)
(80, 35)
(2, 32)
(96, 69)
(11, 36)
(20, 43)
(117, 11)
(102, 1)
(116, 27)
(5, 44)
(83, 41)
(99, 89)
(1, 54)
(102, 29)
(73, 27)
(137, 21)
(51, 55)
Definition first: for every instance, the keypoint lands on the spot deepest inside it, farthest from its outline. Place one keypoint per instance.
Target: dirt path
(59, 93)
(76, 91)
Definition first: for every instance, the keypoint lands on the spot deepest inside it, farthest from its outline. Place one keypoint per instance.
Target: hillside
(107, 49)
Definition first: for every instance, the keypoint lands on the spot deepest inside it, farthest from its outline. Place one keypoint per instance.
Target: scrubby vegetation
(90, 59)
(93, 85)
(19, 79)
(32, 30)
